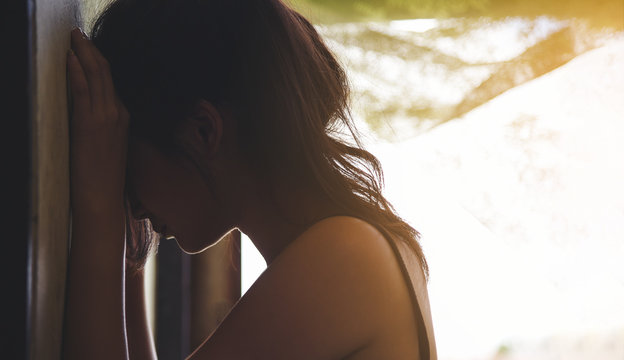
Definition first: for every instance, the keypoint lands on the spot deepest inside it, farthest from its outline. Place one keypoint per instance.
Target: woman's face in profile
(174, 196)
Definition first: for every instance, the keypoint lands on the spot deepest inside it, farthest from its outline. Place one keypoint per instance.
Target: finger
(90, 67)
(123, 121)
(108, 88)
(79, 87)
(109, 95)
(124, 116)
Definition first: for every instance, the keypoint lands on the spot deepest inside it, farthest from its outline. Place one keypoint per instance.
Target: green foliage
(600, 13)
(402, 8)
(503, 349)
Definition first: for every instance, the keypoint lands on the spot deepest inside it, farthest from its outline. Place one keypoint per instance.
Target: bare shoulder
(325, 296)
(331, 237)
(353, 255)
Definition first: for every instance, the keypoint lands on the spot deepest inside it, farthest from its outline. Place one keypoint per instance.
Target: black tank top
(417, 285)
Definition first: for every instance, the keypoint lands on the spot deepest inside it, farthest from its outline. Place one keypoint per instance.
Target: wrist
(99, 230)
(94, 201)
(107, 209)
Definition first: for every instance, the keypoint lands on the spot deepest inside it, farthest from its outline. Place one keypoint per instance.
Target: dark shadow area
(17, 36)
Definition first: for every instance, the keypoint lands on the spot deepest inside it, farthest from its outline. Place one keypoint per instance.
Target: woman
(197, 117)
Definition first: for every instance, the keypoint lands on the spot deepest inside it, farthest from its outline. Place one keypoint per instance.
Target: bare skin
(332, 290)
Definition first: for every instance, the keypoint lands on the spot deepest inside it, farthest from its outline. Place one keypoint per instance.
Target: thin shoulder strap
(417, 286)
(418, 292)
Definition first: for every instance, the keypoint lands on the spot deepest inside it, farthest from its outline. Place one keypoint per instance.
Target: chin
(192, 248)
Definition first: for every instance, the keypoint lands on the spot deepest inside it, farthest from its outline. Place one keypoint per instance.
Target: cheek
(201, 217)
(199, 220)
(178, 197)
(158, 184)
(186, 206)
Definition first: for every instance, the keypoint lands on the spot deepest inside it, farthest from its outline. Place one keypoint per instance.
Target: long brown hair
(269, 67)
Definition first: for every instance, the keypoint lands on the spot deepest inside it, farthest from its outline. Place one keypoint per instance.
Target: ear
(202, 131)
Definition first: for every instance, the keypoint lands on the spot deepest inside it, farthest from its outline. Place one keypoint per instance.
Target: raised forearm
(94, 313)
(140, 340)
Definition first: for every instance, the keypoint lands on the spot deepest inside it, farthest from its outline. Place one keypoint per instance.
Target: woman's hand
(99, 128)
(94, 318)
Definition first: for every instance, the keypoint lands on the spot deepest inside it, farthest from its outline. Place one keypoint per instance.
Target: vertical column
(172, 302)
(194, 293)
(17, 72)
(215, 286)
(50, 217)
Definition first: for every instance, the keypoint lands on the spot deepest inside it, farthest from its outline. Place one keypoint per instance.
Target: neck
(273, 223)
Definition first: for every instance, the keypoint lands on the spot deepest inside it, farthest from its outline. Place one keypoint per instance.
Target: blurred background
(500, 128)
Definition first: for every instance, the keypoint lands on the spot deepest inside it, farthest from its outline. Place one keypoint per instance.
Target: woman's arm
(94, 320)
(94, 316)
(140, 340)
(326, 296)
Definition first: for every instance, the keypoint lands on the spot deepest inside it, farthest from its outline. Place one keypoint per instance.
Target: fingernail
(78, 31)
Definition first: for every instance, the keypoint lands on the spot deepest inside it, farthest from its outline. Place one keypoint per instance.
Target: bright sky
(521, 207)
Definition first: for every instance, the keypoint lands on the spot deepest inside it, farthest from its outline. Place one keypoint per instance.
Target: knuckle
(104, 64)
(93, 71)
(103, 61)
(80, 89)
(112, 113)
(124, 119)
(124, 115)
